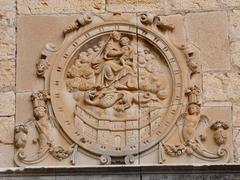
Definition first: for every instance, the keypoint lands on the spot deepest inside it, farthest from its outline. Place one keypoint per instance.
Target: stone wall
(212, 25)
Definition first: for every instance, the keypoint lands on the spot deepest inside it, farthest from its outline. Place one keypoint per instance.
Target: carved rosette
(116, 89)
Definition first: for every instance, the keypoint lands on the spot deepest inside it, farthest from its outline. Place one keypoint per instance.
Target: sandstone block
(40, 30)
(6, 153)
(215, 86)
(209, 32)
(135, 5)
(230, 3)
(7, 43)
(193, 5)
(8, 5)
(221, 86)
(59, 6)
(235, 24)
(7, 104)
(7, 74)
(235, 53)
(7, 18)
(6, 129)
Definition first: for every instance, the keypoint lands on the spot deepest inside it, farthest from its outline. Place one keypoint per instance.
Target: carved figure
(39, 101)
(107, 68)
(193, 122)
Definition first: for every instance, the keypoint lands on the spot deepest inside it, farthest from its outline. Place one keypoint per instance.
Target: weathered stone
(230, 3)
(215, 86)
(7, 18)
(235, 53)
(221, 86)
(7, 43)
(209, 32)
(193, 5)
(8, 5)
(236, 115)
(7, 74)
(135, 5)
(6, 153)
(7, 104)
(235, 24)
(236, 145)
(6, 129)
(59, 6)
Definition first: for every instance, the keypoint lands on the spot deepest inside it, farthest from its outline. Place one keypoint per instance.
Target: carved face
(41, 66)
(83, 57)
(116, 35)
(39, 112)
(193, 109)
(124, 41)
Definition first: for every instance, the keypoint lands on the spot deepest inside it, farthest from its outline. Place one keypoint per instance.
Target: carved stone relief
(116, 90)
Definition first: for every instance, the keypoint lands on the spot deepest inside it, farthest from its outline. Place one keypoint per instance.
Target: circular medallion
(116, 89)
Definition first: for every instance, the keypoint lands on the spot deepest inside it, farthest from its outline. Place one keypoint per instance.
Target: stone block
(7, 104)
(235, 53)
(59, 6)
(40, 30)
(193, 5)
(7, 43)
(215, 86)
(24, 111)
(209, 32)
(235, 24)
(230, 3)
(221, 86)
(7, 75)
(7, 130)
(6, 153)
(135, 5)
(8, 5)
(7, 18)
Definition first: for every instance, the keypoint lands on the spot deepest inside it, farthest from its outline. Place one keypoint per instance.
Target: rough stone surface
(211, 28)
(230, 3)
(7, 75)
(235, 24)
(7, 43)
(221, 86)
(59, 6)
(7, 103)
(7, 18)
(194, 5)
(7, 129)
(135, 5)
(8, 5)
